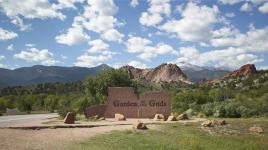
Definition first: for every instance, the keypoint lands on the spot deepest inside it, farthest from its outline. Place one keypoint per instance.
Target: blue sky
(142, 33)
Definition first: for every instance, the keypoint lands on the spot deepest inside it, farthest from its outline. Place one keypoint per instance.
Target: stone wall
(123, 100)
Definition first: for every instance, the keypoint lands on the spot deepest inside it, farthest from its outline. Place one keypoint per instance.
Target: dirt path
(44, 139)
(11, 139)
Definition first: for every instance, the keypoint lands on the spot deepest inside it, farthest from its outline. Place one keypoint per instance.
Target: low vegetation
(179, 136)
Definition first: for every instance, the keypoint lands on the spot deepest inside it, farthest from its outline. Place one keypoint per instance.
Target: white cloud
(254, 40)
(113, 35)
(246, 7)
(230, 15)
(7, 35)
(19, 22)
(137, 64)
(195, 25)
(97, 46)
(66, 4)
(146, 50)
(2, 57)
(231, 57)
(3, 66)
(98, 16)
(155, 13)
(87, 60)
(134, 3)
(137, 44)
(10, 47)
(74, 35)
(36, 55)
(63, 57)
(264, 8)
(29, 45)
(29, 9)
(229, 2)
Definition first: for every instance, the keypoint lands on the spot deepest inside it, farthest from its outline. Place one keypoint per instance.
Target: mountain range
(44, 74)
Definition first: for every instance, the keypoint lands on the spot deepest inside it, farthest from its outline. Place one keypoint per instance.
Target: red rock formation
(241, 72)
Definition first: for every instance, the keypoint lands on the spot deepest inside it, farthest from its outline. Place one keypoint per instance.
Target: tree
(51, 102)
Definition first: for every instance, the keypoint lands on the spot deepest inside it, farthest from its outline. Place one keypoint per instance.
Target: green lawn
(234, 136)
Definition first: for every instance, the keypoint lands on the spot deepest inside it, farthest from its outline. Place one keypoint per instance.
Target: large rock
(256, 129)
(182, 116)
(243, 71)
(163, 73)
(69, 118)
(214, 122)
(139, 125)
(218, 122)
(171, 118)
(119, 117)
(207, 123)
(159, 117)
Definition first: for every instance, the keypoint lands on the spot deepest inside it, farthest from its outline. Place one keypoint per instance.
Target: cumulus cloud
(254, 40)
(229, 2)
(137, 64)
(231, 57)
(98, 16)
(195, 25)
(7, 35)
(74, 35)
(2, 57)
(10, 47)
(246, 7)
(155, 13)
(97, 46)
(87, 60)
(29, 9)
(145, 50)
(264, 8)
(36, 55)
(66, 4)
(134, 3)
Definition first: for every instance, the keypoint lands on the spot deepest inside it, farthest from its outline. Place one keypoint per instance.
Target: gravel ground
(15, 139)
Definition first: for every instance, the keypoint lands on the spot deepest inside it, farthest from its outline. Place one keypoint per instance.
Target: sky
(141, 33)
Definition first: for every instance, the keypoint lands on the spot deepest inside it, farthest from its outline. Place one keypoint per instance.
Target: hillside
(46, 74)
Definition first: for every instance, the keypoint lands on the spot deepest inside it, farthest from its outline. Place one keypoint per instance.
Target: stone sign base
(123, 100)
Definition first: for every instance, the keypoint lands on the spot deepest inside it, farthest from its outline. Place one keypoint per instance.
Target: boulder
(119, 117)
(182, 116)
(171, 118)
(69, 118)
(207, 123)
(159, 117)
(218, 122)
(139, 125)
(256, 129)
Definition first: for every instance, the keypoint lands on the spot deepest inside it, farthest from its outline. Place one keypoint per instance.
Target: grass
(234, 136)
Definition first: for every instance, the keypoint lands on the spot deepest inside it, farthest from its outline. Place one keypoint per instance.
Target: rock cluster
(212, 123)
(256, 129)
(119, 117)
(69, 118)
(139, 125)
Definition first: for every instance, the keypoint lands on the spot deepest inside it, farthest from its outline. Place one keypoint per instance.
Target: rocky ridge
(163, 73)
